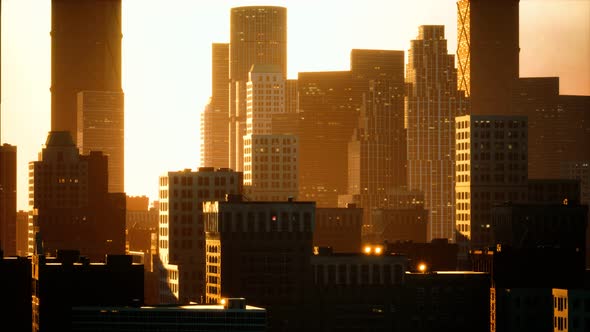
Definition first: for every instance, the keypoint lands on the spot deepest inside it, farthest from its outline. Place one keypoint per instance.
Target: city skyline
(162, 118)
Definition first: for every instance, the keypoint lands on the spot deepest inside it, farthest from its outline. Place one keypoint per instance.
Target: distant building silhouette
(578, 170)
(261, 250)
(8, 199)
(491, 168)
(86, 58)
(438, 255)
(181, 241)
(488, 53)
(214, 118)
(101, 127)
(258, 35)
(432, 102)
(72, 208)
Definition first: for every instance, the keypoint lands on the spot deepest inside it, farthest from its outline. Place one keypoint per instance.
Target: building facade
(491, 167)
(261, 250)
(181, 236)
(101, 127)
(432, 103)
(339, 228)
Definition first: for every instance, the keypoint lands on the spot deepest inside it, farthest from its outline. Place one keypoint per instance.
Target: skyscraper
(101, 127)
(432, 103)
(488, 53)
(8, 199)
(258, 35)
(86, 56)
(72, 208)
(377, 151)
(214, 118)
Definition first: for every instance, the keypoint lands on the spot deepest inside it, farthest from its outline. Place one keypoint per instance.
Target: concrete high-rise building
(261, 250)
(339, 228)
(8, 199)
(22, 233)
(258, 35)
(101, 127)
(72, 208)
(377, 151)
(488, 53)
(432, 103)
(270, 161)
(271, 167)
(214, 118)
(491, 168)
(85, 55)
(181, 235)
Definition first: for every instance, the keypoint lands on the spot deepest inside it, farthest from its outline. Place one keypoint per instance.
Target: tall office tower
(181, 236)
(291, 96)
(377, 151)
(491, 167)
(101, 127)
(329, 106)
(432, 103)
(261, 251)
(8, 199)
(85, 55)
(72, 208)
(214, 118)
(487, 53)
(265, 95)
(258, 35)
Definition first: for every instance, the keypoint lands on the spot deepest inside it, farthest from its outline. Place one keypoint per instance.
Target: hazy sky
(167, 63)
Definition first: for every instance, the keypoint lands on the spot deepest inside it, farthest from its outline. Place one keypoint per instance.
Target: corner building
(491, 168)
(261, 250)
(181, 236)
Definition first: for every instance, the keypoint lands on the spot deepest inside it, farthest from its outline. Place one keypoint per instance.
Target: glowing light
(422, 267)
(367, 250)
(222, 301)
(378, 250)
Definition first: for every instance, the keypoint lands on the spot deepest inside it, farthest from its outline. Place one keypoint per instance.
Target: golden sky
(167, 57)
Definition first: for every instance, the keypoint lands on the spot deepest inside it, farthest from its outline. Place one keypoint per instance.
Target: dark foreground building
(69, 280)
(15, 278)
(234, 315)
(261, 250)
